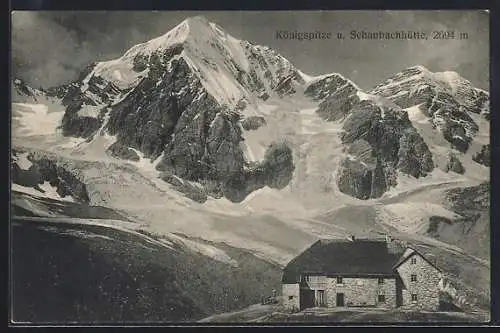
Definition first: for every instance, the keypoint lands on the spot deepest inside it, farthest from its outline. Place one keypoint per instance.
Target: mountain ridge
(159, 101)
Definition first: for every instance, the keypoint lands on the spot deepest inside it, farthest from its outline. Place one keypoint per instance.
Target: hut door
(321, 298)
(340, 299)
(307, 299)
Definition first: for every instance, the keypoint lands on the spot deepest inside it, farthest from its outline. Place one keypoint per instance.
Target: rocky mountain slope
(471, 228)
(445, 97)
(178, 97)
(217, 117)
(185, 99)
(32, 170)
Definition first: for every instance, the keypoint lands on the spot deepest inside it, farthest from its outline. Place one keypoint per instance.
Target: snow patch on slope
(89, 111)
(451, 78)
(35, 119)
(416, 115)
(313, 79)
(22, 161)
(412, 217)
(407, 184)
(206, 250)
(48, 192)
(381, 102)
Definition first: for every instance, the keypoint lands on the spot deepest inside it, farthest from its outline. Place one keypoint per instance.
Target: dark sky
(49, 48)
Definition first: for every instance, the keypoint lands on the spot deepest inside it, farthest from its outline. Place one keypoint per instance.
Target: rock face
(147, 118)
(206, 146)
(225, 173)
(337, 95)
(195, 192)
(45, 169)
(379, 142)
(22, 93)
(484, 156)
(253, 123)
(85, 101)
(268, 72)
(445, 97)
(454, 164)
(118, 150)
(414, 156)
(379, 137)
(179, 97)
(275, 171)
(199, 139)
(470, 198)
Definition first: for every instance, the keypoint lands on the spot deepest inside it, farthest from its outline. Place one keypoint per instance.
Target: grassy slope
(67, 273)
(63, 279)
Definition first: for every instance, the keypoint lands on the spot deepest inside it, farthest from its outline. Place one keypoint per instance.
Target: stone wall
(426, 287)
(291, 296)
(357, 291)
(362, 291)
(389, 290)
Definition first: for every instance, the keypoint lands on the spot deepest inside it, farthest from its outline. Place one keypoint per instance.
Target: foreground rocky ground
(276, 314)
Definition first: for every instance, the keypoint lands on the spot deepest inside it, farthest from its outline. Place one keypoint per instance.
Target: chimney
(392, 245)
(351, 238)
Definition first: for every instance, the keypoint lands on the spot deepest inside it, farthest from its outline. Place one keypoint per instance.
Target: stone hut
(360, 273)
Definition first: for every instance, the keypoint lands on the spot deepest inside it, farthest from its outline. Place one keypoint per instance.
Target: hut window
(414, 278)
(339, 280)
(413, 260)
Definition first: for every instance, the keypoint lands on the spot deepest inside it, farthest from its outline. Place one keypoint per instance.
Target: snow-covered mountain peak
(449, 81)
(198, 19)
(230, 69)
(418, 68)
(177, 35)
(193, 26)
(415, 80)
(449, 76)
(448, 99)
(455, 82)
